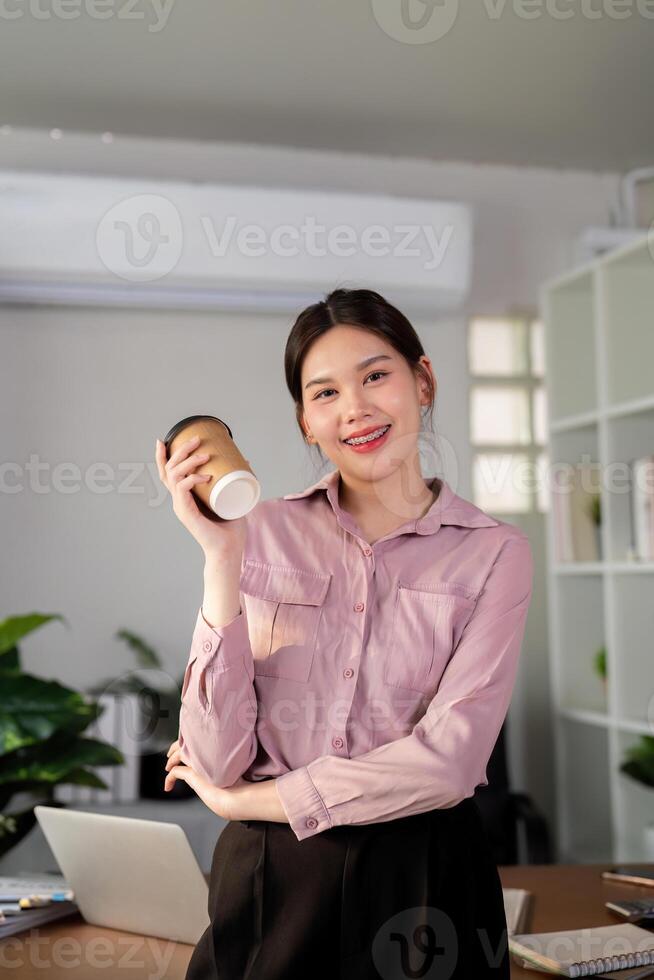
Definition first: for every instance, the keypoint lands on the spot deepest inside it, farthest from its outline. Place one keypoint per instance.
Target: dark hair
(358, 308)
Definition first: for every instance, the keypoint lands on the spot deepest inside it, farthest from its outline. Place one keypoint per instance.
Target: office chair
(507, 815)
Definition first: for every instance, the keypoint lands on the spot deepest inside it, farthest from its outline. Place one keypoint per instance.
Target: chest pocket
(428, 620)
(284, 607)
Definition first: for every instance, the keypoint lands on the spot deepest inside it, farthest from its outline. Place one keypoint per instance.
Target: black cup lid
(170, 435)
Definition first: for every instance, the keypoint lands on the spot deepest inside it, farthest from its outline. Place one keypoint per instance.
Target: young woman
(350, 670)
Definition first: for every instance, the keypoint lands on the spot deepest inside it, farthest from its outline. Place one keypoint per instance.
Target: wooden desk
(568, 896)
(565, 897)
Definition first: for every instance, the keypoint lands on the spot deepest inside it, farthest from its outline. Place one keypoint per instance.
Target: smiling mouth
(371, 437)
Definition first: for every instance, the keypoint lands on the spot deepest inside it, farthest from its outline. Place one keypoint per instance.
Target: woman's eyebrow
(359, 367)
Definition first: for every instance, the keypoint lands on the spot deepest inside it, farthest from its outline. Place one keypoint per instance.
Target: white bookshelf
(599, 335)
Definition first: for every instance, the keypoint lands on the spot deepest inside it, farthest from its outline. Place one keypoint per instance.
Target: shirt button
(312, 822)
(359, 607)
(367, 552)
(207, 646)
(348, 672)
(337, 743)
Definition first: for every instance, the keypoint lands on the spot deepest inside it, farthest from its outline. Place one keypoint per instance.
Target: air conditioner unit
(134, 242)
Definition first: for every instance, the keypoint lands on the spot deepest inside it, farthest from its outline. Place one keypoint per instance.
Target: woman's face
(352, 397)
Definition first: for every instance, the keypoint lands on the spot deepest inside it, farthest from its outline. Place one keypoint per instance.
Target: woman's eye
(326, 391)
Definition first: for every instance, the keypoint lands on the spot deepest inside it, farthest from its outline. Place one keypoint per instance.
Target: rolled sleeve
(444, 758)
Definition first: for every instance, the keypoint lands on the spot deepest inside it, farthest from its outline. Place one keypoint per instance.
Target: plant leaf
(639, 761)
(14, 628)
(32, 709)
(145, 655)
(54, 760)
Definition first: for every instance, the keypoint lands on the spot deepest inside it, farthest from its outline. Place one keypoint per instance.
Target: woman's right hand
(220, 539)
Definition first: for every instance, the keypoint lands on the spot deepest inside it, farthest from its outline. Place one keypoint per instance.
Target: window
(508, 414)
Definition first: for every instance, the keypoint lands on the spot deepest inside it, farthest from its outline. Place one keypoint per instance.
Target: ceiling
(508, 81)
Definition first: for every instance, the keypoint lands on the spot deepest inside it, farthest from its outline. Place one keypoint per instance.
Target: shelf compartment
(586, 800)
(575, 539)
(570, 341)
(629, 437)
(636, 809)
(627, 287)
(634, 631)
(581, 634)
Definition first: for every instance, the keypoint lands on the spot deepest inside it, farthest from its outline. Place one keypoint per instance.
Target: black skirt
(419, 896)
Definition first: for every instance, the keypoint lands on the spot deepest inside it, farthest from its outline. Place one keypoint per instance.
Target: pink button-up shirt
(371, 680)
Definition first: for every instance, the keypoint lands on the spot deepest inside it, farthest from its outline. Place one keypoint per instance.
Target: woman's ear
(307, 435)
(425, 397)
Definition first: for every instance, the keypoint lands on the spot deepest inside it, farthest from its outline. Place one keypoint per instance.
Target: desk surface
(568, 896)
(565, 897)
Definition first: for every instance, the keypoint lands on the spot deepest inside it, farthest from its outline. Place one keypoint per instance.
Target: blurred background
(176, 184)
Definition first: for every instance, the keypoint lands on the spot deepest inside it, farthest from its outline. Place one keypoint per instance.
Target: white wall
(89, 385)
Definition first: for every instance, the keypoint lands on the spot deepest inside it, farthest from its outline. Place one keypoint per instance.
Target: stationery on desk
(601, 950)
(30, 900)
(623, 951)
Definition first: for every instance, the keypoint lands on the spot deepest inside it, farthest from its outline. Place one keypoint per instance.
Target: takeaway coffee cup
(234, 489)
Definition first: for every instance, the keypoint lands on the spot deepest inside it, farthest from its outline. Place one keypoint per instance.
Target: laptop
(136, 875)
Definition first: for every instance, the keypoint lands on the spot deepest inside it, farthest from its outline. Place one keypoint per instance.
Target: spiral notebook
(586, 952)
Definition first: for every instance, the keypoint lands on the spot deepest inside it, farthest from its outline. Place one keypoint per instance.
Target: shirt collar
(448, 508)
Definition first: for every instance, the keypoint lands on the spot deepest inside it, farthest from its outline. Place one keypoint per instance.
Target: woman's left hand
(224, 802)
(242, 800)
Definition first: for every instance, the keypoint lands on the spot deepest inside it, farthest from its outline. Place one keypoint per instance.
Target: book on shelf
(586, 952)
(641, 500)
(576, 536)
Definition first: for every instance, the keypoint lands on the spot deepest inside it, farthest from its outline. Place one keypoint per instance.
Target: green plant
(599, 662)
(41, 743)
(639, 761)
(594, 509)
